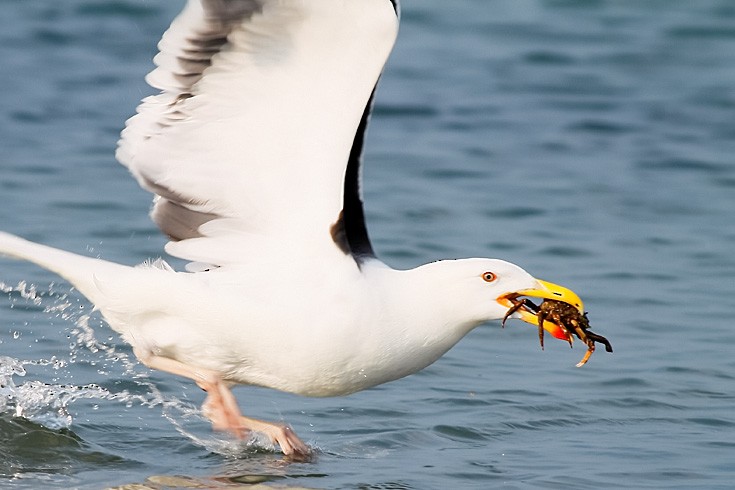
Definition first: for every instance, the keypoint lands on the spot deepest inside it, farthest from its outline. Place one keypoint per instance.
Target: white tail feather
(82, 272)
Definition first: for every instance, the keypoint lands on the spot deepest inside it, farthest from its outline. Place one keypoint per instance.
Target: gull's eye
(489, 276)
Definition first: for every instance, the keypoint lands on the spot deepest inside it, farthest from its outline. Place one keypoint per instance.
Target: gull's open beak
(528, 312)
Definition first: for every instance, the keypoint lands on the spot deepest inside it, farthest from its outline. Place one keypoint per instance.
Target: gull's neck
(421, 307)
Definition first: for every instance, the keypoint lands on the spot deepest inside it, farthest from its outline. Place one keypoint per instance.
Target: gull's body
(252, 150)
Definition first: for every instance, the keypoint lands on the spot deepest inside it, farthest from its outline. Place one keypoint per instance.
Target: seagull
(252, 149)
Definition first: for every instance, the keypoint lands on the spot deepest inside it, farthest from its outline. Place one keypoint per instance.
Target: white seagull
(252, 149)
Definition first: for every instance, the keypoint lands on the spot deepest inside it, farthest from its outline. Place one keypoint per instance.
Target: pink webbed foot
(280, 434)
(221, 409)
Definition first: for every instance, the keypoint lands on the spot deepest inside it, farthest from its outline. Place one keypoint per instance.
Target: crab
(570, 319)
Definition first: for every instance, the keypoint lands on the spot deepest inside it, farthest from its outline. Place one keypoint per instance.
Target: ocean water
(589, 141)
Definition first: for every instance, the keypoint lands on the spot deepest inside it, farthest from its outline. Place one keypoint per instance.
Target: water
(590, 142)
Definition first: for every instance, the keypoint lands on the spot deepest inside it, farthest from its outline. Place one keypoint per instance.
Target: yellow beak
(546, 290)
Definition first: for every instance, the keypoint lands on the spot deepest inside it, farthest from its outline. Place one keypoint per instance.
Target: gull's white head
(479, 290)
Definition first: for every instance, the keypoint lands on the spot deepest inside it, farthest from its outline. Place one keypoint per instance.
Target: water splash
(49, 404)
(214, 442)
(43, 403)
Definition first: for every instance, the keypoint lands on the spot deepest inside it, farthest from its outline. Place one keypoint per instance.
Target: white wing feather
(259, 106)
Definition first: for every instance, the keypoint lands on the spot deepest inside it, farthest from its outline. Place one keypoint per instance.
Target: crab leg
(599, 338)
(516, 306)
(587, 356)
(541, 318)
(581, 334)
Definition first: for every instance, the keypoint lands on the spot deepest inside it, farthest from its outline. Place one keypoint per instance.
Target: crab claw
(545, 290)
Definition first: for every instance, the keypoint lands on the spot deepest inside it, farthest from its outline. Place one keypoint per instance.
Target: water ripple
(27, 447)
(587, 140)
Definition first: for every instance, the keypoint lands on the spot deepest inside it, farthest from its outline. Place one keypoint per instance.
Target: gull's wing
(263, 103)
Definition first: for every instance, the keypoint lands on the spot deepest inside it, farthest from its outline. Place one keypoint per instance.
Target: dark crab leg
(599, 338)
(541, 318)
(517, 305)
(592, 337)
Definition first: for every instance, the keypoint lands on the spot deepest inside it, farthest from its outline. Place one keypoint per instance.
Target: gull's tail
(82, 272)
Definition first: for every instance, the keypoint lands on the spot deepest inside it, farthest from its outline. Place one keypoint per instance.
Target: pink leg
(221, 408)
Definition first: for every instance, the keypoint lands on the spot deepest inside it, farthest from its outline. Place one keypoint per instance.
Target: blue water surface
(589, 141)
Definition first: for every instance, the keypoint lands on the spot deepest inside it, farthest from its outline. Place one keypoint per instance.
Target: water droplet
(16, 334)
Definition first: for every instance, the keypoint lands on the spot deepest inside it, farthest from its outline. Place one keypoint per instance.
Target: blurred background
(588, 141)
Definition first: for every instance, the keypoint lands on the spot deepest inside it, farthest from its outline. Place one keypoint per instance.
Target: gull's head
(488, 288)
